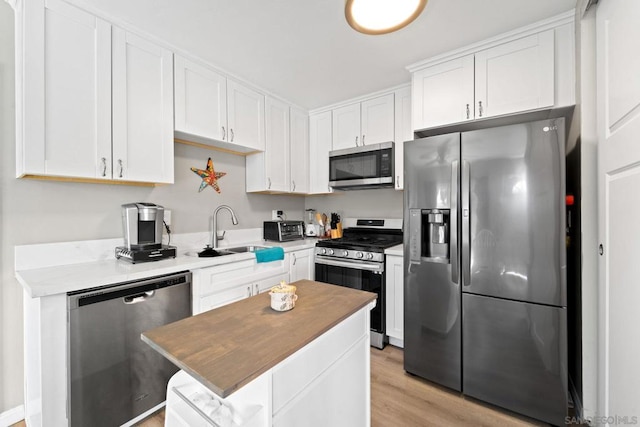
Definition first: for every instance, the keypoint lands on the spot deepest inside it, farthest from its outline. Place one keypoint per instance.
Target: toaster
(282, 231)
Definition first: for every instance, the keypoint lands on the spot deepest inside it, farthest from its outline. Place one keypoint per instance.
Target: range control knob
(331, 252)
(324, 251)
(359, 255)
(370, 255)
(345, 253)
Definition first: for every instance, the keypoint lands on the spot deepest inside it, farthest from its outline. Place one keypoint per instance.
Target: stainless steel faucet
(234, 220)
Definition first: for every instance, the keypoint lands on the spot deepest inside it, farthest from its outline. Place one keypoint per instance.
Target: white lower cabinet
(395, 299)
(221, 285)
(301, 265)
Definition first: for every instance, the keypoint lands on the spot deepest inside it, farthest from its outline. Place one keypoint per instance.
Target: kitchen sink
(214, 253)
(243, 249)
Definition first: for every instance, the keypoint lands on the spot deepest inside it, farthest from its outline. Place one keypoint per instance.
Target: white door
(245, 116)
(319, 147)
(443, 93)
(201, 100)
(618, 101)
(277, 145)
(377, 120)
(346, 127)
(515, 76)
(299, 151)
(142, 110)
(301, 265)
(67, 92)
(403, 132)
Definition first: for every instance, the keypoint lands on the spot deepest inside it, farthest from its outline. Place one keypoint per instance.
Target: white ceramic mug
(283, 297)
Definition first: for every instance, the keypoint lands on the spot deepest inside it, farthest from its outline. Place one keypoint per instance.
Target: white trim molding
(12, 416)
(13, 3)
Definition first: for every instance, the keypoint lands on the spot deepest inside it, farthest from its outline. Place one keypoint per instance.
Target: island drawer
(299, 370)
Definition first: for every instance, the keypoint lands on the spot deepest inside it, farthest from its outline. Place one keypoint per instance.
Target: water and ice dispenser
(429, 235)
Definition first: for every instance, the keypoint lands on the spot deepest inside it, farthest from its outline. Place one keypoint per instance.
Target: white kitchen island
(309, 366)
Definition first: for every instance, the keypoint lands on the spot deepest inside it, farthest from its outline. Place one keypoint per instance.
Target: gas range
(363, 240)
(357, 261)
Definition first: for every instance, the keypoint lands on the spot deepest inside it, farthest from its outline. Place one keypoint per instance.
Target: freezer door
(432, 326)
(515, 356)
(513, 212)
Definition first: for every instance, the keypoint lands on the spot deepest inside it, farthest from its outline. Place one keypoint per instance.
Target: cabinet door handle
(249, 291)
(294, 259)
(363, 140)
(468, 112)
(257, 291)
(480, 108)
(232, 134)
(104, 166)
(121, 168)
(224, 133)
(356, 141)
(397, 181)
(269, 185)
(294, 186)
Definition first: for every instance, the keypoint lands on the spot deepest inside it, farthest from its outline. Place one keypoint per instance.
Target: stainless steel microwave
(368, 166)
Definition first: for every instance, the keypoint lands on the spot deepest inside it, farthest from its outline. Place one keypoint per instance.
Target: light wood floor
(402, 400)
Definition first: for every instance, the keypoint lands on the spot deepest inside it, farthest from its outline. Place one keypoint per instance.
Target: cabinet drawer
(296, 372)
(224, 297)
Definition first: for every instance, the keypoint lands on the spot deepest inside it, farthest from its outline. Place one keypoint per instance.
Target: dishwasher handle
(136, 298)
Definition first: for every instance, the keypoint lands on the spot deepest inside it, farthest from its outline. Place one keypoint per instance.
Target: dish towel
(269, 254)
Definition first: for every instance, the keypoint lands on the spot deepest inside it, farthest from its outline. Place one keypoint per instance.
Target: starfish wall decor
(209, 176)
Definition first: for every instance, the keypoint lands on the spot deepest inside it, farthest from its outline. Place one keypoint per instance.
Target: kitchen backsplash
(380, 203)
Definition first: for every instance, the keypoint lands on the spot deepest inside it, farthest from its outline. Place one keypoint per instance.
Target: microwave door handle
(453, 223)
(466, 221)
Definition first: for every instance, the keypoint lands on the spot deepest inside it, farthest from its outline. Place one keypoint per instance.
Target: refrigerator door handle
(453, 220)
(466, 230)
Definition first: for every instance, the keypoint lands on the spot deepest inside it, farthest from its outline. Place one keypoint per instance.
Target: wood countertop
(228, 347)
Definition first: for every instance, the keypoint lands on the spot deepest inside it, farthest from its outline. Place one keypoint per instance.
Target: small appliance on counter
(282, 231)
(142, 225)
(311, 228)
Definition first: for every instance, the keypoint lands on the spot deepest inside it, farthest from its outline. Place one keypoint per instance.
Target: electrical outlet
(167, 217)
(276, 214)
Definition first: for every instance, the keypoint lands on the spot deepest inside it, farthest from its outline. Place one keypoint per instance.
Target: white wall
(42, 211)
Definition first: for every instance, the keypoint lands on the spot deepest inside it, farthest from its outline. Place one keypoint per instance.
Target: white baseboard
(396, 342)
(12, 416)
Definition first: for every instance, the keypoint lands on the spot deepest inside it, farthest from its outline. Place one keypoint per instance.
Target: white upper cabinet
(299, 150)
(368, 122)
(403, 132)
(97, 102)
(200, 101)
(527, 69)
(142, 110)
(443, 93)
(64, 127)
(346, 127)
(319, 147)
(515, 76)
(377, 120)
(283, 166)
(245, 116)
(215, 111)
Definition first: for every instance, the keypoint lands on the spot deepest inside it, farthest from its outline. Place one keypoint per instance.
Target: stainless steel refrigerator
(484, 265)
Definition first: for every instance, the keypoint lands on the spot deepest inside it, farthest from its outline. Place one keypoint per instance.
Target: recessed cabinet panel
(201, 100)
(277, 145)
(377, 120)
(299, 151)
(67, 93)
(245, 116)
(515, 76)
(346, 127)
(142, 110)
(319, 146)
(443, 93)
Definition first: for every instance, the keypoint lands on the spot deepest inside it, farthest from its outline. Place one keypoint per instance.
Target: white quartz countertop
(52, 280)
(397, 250)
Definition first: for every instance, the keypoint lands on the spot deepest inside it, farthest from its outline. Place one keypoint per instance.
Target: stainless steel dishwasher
(114, 376)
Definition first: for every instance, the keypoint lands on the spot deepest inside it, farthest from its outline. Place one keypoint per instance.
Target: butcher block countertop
(227, 347)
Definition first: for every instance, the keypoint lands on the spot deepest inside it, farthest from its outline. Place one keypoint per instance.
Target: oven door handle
(370, 266)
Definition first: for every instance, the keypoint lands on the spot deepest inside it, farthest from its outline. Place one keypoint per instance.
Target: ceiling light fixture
(382, 16)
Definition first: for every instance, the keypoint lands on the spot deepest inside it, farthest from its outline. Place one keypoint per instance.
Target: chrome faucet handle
(220, 234)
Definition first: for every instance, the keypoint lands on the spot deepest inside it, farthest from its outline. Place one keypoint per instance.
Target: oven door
(366, 276)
